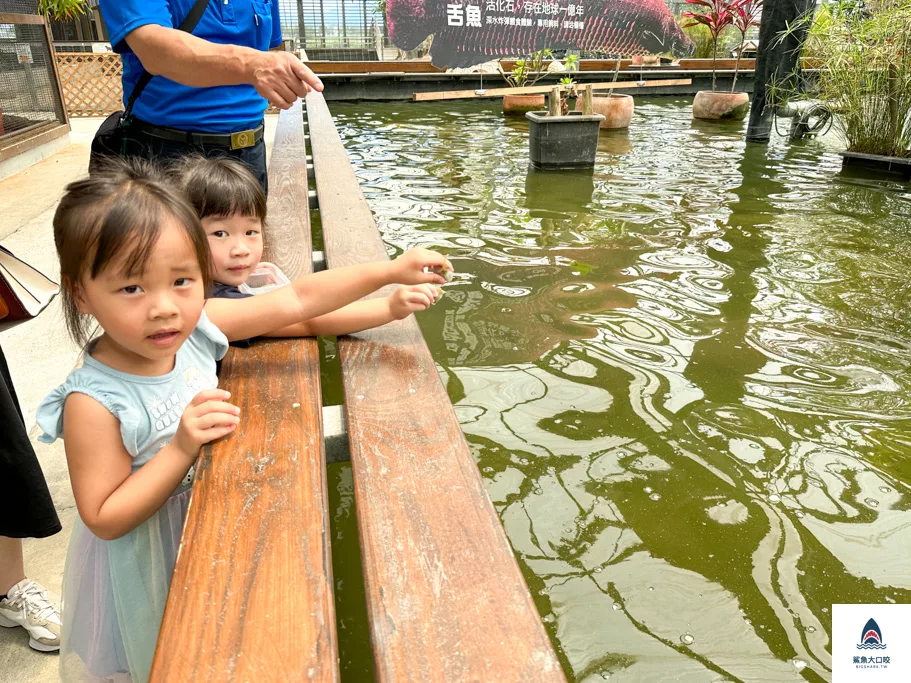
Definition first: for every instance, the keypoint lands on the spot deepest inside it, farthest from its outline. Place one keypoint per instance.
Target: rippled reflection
(686, 377)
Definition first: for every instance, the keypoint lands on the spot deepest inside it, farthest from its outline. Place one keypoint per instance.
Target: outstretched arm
(364, 315)
(280, 77)
(311, 296)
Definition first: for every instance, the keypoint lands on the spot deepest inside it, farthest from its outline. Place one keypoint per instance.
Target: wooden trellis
(90, 82)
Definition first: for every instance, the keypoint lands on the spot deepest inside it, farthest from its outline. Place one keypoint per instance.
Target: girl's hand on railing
(206, 418)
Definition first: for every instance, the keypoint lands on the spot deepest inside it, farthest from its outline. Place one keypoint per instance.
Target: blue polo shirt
(222, 109)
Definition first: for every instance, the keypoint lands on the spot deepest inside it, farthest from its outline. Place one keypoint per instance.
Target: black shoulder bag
(111, 138)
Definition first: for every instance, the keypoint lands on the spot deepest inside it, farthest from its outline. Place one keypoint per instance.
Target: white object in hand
(265, 278)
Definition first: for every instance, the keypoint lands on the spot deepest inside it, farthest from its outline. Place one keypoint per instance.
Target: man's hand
(407, 300)
(208, 417)
(409, 268)
(281, 78)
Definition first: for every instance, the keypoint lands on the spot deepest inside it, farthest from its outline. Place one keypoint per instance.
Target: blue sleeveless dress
(114, 592)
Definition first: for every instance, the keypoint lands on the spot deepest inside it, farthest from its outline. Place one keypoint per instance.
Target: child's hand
(407, 300)
(208, 417)
(408, 269)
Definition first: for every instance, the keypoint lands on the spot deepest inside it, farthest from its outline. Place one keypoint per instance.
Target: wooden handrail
(445, 596)
(251, 596)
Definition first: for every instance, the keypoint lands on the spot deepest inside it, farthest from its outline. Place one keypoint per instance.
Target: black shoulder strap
(188, 24)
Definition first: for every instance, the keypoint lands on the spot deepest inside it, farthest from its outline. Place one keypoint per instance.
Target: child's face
(236, 244)
(148, 316)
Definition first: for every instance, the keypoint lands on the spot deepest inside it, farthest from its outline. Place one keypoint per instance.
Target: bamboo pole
(541, 90)
(587, 106)
(553, 101)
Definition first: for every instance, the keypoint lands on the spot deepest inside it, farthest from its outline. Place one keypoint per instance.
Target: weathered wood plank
(287, 232)
(446, 599)
(541, 89)
(12, 18)
(251, 596)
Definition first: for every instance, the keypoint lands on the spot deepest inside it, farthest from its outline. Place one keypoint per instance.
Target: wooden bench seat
(251, 597)
(445, 597)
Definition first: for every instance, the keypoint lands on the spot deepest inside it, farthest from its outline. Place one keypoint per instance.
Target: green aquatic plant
(865, 54)
(527, 72)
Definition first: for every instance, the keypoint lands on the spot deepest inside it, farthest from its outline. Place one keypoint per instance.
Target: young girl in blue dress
(133, 417)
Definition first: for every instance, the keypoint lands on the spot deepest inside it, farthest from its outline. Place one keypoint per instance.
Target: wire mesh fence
(19, 6)
(29, 97)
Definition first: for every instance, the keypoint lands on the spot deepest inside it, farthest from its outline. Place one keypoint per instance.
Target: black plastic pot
(876, 165)
(563, 141)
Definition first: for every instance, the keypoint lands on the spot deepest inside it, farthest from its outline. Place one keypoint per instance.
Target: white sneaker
(27, 605)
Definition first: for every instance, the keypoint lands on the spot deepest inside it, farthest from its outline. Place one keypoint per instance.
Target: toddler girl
(231, 205)
(133, 417)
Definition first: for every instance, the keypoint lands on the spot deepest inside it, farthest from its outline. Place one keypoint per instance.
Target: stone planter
(519, 104)
(721, 106)
(876, 166)
(562, 141)
(617, 110)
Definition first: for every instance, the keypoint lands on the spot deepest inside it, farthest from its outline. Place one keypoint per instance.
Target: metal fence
(29, 96)
(335, 29)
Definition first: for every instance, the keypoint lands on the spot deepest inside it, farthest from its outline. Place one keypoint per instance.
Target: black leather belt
(238, 140)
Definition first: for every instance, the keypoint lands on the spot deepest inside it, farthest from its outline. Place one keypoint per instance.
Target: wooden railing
(445, 597)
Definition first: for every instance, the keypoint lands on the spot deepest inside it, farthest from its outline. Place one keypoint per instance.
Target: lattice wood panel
(90, 82)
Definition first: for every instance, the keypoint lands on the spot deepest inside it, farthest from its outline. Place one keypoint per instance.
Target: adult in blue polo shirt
(211, 87)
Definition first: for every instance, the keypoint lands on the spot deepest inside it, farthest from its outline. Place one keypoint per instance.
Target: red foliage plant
(717, 16)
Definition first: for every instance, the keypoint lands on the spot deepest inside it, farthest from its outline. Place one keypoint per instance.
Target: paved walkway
(40, 356)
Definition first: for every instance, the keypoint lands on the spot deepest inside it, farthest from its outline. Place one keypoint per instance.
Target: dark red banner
(468, 32)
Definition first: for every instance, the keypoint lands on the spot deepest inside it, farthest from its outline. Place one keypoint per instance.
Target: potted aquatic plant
(560, 139)
(616, 109)
(524, 74)
(711, 104)
(867, 80)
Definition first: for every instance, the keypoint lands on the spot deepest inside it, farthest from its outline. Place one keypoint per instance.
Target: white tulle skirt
(114, 594)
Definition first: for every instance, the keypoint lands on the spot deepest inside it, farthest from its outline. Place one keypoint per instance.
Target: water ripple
(686, 376)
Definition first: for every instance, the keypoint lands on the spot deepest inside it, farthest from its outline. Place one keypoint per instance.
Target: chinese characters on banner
(502, 12)
(467, 32)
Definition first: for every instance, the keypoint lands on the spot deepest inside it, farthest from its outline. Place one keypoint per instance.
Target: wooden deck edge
(446, 597)
(585, 65)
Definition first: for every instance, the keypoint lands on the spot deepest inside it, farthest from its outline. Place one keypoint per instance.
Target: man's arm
(280, 77)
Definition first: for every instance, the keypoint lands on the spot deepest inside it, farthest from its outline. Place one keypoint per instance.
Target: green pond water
(686, 380)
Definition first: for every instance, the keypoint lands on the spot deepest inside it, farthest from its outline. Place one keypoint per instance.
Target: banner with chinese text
(468, 32)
